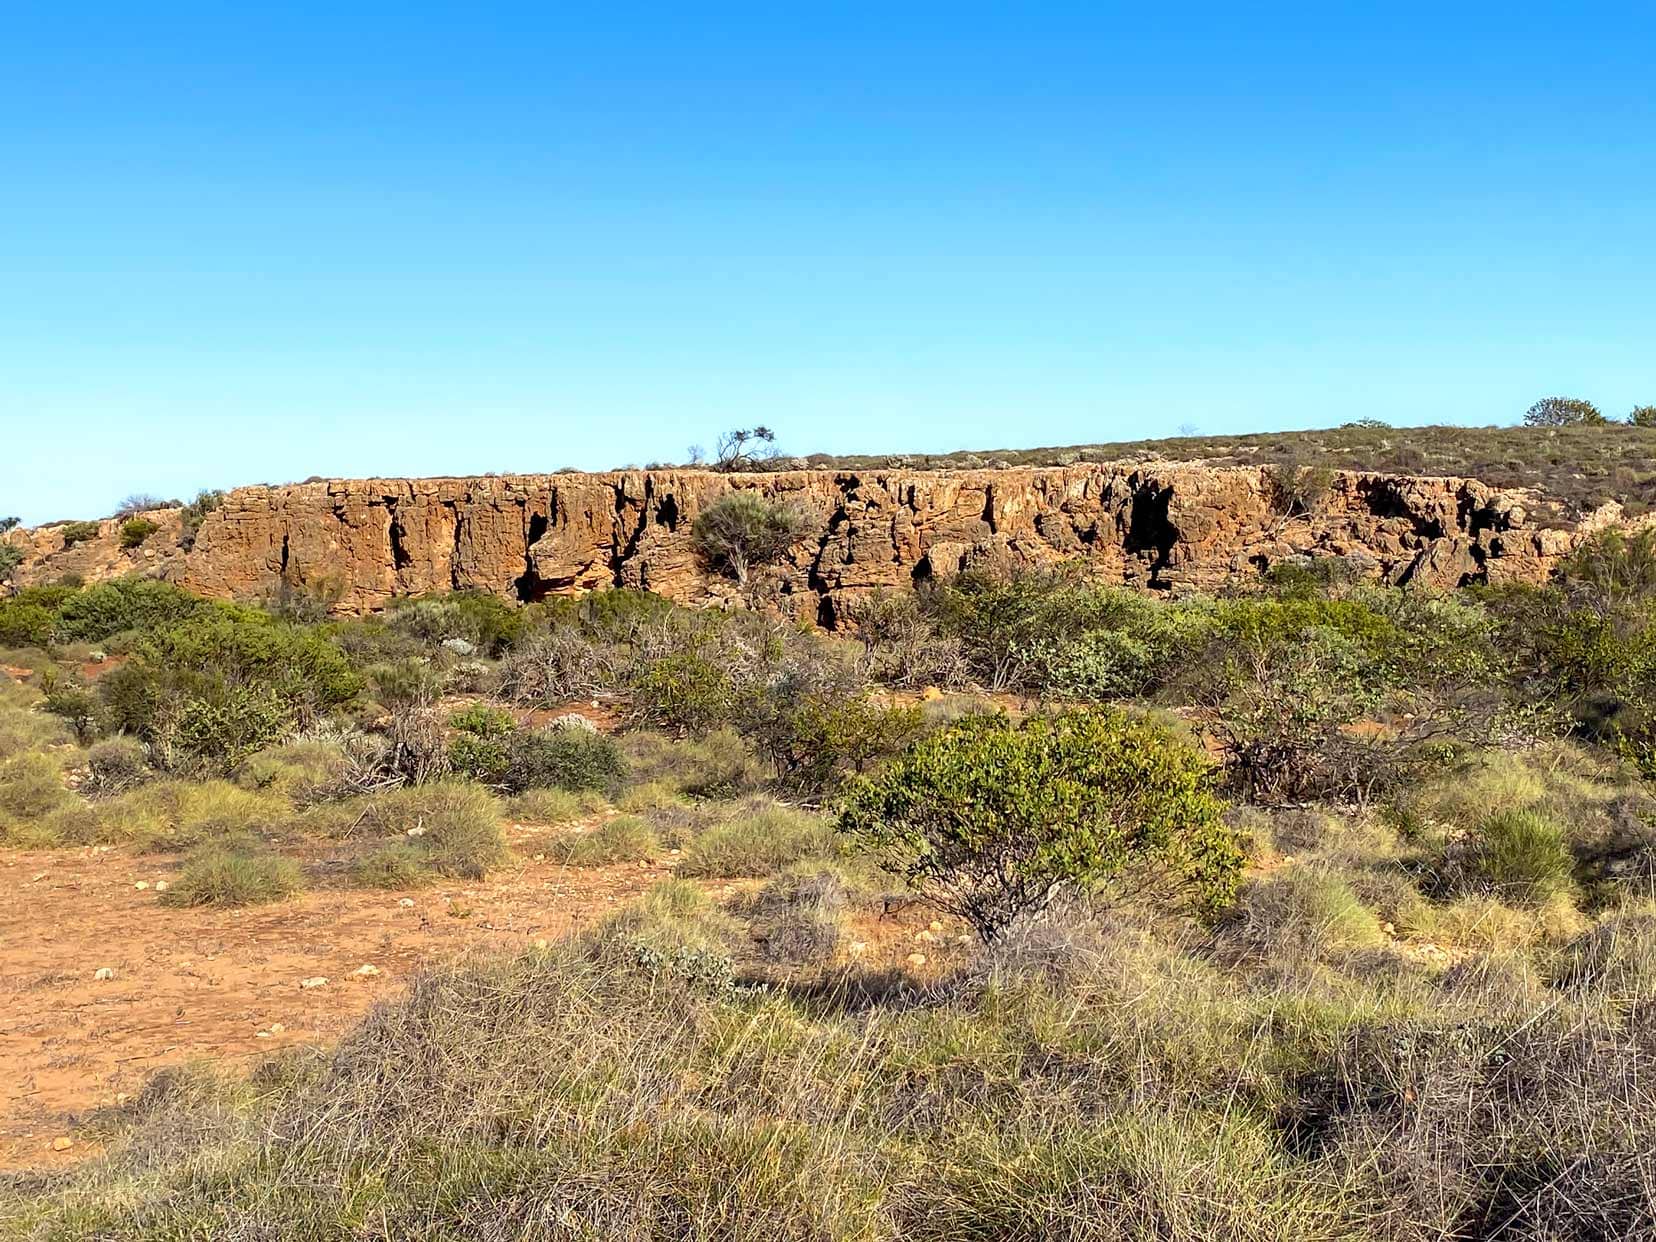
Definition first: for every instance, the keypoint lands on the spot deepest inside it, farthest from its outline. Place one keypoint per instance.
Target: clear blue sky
(242, 246)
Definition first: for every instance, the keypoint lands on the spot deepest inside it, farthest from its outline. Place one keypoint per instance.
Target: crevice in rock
(400, 557)
(531, 588)
(1151, 530)
(454, 552)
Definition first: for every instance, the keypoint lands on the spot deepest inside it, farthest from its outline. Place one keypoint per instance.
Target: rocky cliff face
(525, 537)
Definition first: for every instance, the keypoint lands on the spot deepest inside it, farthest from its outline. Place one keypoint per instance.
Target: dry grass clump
(623, 839)
(757, 840)
(222, 874)
(801, 915)
(454, 825)
(719, 765)
(554, 806)
(1300, 910)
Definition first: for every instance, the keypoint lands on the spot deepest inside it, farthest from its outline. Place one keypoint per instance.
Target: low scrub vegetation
(1024, 907)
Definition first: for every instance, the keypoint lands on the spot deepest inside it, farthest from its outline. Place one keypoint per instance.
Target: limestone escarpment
(1160, 526)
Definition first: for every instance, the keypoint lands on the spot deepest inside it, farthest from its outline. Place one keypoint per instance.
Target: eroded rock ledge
(525, 537)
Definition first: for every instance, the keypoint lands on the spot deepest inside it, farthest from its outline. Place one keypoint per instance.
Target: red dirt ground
(203, 982)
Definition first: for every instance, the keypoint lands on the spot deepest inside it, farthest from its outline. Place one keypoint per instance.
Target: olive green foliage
(194, 514)
(486, 623)
(990, 819)
(11, 556)
(1295, 490)
(1563, 412)
(563, 757)
(135, 530)
(1521, 855)
(78, 532)
(232, 875)
(1642, 416)
(720, 765)
(743, 530)
(815, 739)
(684, 690)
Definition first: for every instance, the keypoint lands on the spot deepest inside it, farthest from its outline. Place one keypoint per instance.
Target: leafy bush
(194, 514)
(1563, 412)
(482, 720)
(1295, 490)
(686, 691)
(228, 875)
(483, 759)
(484, 621)
(742, 530)
(812, 739)
(11, 556)
(78, 707)
(135, 530)
(990, 819)
(78, 532)
(95, 613)
(566, 757)
(220, 731)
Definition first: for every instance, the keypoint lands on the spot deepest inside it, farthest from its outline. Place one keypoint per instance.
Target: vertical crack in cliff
(623, 542)
(400, 557)
(1150, 529)
(454, 552)
(530, 587)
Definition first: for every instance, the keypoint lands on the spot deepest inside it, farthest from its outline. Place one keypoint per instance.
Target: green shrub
(990, 819)
(685, 691)
(815, 737)
(483, 720)
(221, 731)
(95, 613)
(11, 556)
(76, 706)
(194, 514)
(25, 624)
(483, 621)
(484, 759)
(1521, 855)
(414, 682)
(756, 841)
(1563, 412)
(742, 530)
(564, 757)
(623, 839)
(135, 530)
(1294, 490)
(228, 875)
(78, 532)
